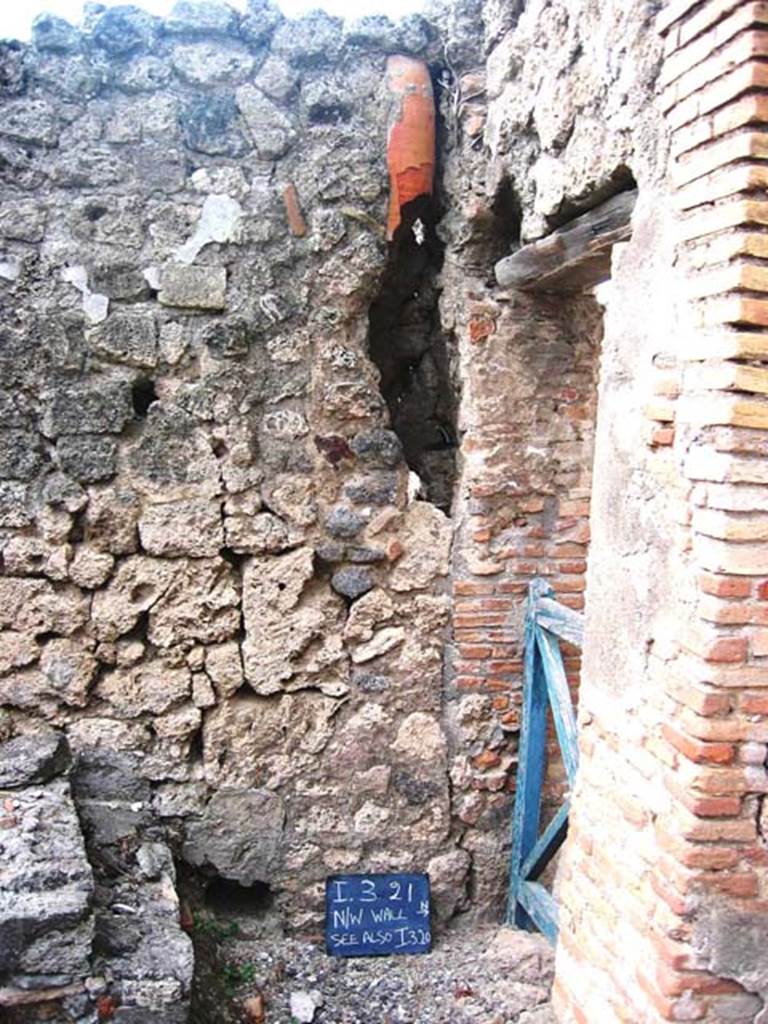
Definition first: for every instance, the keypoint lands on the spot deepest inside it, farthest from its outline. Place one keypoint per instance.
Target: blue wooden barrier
(545, 686)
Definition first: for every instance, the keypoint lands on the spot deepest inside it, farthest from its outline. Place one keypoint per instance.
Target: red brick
(505, 666)
(676, 902)
(494, 604)
(701, 700)
(512, 588)
(567, 585)
(469, 682)
(664, 1006)
(675, 983)
(742, 884)
(480, 328)
(661, 437)
(576, 567)
(724, 586)
(727, 649)
(488, 759)
(472, 653)
(698, 751)
(715, 830)
(754, 703)
(470, 588)
(703, 806)
(758, 614)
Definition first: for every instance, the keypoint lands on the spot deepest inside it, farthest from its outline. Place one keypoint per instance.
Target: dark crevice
(503, 234)
(235, 558)
(143, 395)
(621, 180)
(196, 750)
(411, 351)
(223, 896)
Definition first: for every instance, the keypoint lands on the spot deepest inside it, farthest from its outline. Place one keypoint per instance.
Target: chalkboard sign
(377, 915)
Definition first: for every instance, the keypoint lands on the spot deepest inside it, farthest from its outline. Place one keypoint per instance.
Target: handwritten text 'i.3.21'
(376, 915)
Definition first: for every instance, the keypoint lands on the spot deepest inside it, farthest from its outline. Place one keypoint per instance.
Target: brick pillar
(665, 872)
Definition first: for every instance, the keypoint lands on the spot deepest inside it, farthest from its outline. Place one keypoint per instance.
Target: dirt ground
(249, 973)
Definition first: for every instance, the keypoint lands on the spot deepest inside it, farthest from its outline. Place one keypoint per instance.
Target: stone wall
(211, 562)
(214, 566)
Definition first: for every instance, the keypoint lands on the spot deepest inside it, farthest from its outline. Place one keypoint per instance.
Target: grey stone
(20, 455)
(108, 775)
(33, 758)
(210, 125)
(352, 583)
(276, 79)
(144, 74)
(344, 522)
(23, 220)
(87, 458)
(272, 131)
(14, 506)
(366, 556)
(50, 32)
(379, 447)
(68, 669)
(70, 75)
(126, 338)
(201, 17)
(375, 489)
(240, 835)
(733, 942)
(120, 31)
(260, 19)
(119, 281)
(331, 552)
(174, 451)
(227, 339)
(373, 683)
(29, 120)
(111, 822)
(193, 287)
(62, 491)
(13, 81)
(212, 63)
(417, 791)
(98, 407)
(45, 921)
(312, 40)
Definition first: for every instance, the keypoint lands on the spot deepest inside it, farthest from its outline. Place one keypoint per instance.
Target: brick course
(687, 777)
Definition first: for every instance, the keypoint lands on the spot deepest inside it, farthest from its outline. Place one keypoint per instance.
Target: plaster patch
(96, 306)
(219, 222)
(10, 268)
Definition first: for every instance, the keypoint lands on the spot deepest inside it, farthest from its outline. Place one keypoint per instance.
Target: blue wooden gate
(544, 684)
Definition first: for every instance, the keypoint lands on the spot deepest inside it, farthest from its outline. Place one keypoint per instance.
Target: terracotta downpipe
(411, 138)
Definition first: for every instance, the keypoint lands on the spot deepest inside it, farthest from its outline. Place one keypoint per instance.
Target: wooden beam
(541, 908)
(564, 622)
(549, 843)
(576, 256)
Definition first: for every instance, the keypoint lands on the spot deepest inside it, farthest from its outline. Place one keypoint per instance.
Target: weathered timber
(574, 257)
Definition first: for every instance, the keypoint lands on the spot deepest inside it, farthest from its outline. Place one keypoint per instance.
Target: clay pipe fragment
(410, 136)
(296, 221)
